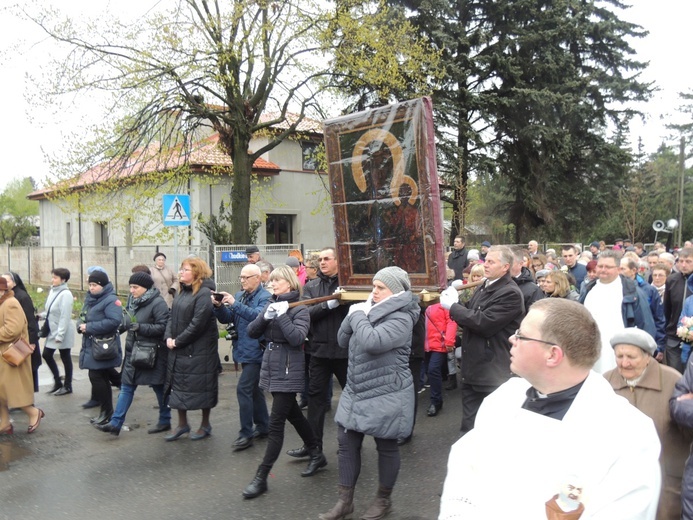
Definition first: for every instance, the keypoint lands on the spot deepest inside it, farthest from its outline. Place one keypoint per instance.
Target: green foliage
(218, 228)
(530, 93)
(18, 215)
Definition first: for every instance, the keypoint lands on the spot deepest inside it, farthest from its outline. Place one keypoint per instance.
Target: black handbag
(46, 327)
(104, 349)
(143, 354)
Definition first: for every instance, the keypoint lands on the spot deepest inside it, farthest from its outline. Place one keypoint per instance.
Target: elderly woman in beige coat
(16, 383)
(648, 386)
(164, 279)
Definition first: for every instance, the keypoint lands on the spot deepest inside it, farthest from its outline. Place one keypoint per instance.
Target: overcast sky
(27, 132)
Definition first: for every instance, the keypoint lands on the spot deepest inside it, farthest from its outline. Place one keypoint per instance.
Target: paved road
(68, 469)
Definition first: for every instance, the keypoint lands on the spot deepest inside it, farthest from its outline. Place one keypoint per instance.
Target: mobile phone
(217, 296)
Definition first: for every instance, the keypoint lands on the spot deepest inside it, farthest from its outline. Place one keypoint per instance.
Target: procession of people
(551, 358)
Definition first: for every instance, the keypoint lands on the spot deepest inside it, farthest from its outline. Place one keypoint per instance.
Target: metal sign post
(176, 213)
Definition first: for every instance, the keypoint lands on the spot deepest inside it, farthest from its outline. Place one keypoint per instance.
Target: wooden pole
(338, 296)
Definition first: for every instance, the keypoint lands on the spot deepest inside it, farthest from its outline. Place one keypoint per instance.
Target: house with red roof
(290, 198)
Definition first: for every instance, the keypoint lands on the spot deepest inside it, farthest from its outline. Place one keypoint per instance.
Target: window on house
(279, 229)
(68, 234)
(309, 159)
(101, 234)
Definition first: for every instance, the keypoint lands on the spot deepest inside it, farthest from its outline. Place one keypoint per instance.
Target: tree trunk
(240, 194)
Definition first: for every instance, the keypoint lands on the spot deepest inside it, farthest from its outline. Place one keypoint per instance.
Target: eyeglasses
(184, 269)
(311, 267)
(244, 278)
(520, 337)
(325, 258)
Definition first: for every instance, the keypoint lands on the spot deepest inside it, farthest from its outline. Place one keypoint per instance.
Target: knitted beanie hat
(394, 278)
(98, 277)
(142, 279)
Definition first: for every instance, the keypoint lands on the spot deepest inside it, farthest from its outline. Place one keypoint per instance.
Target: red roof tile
(207, 154)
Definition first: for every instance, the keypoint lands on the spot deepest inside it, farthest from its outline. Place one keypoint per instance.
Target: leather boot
(104, 417)
(57, 386)
(381, 506)
(317, 461)
(259, 484)
(66, 389)
(344, 506)
(452, 382)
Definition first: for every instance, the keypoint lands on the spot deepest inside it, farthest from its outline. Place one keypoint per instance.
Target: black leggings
(350, 458)
(285, 408)
(101, 389)
(65, 357)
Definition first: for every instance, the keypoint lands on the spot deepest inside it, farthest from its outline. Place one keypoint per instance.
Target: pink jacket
(440, 329)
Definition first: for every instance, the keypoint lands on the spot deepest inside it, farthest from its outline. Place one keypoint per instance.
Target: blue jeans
(252, 407)
(435, 375)
(127, 393)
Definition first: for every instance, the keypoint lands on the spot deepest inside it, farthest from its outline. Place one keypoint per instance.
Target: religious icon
(385, 194)
(567, 504)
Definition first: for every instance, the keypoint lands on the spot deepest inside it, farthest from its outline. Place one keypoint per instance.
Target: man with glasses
(675, 293)
(327, 358)
(615, 302)
(241, 309)
(556, 428)
(487, 319)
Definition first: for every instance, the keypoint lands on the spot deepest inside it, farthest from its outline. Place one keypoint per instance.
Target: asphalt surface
(68, 469)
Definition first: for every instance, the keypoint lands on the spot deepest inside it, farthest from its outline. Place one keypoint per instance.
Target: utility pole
(682, 165)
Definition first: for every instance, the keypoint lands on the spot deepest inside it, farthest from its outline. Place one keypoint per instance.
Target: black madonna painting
(385, 197)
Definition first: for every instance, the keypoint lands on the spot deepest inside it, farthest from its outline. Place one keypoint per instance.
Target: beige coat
(16, 383)
(651, 396)
(164, 279)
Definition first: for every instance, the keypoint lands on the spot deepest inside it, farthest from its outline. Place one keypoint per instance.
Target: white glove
(271, 312)
(448, 297)
(362, 306)
(333, 304)
(281, 307)
(457, 284)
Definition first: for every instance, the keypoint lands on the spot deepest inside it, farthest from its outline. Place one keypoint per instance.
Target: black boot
(104, 417)
(57, 386)
(259, 484)
(299, 453)
(64, 390)
(317, 461)
(452, 382)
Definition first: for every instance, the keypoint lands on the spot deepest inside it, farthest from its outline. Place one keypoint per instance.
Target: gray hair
(265, 266)
(505, 253)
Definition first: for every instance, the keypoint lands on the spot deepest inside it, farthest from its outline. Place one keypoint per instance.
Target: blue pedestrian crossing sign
(176, 210)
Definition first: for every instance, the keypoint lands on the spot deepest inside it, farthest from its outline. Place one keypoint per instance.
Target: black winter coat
(458, 261)
(151, 316)
(488, 320)
(675, 292)
(283, 362)
(530, 291)
(192, 377)
(324, 322)
(102, 313)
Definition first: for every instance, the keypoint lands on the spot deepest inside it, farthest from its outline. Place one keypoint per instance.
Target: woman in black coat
(146, 320)
(282, 373)
(192, 338)
(15, 283)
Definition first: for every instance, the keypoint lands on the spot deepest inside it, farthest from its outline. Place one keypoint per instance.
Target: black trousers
(350, 443)
(101, 389)
(65, 357)
(285, 408)
(321, 372)
(472, 396)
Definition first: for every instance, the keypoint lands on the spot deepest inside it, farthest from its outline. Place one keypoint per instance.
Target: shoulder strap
(442, 334)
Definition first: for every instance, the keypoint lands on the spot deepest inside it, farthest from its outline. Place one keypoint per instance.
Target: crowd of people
(541, 346)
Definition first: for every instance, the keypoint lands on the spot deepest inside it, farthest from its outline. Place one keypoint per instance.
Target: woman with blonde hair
(556, 285)
(282, 373)
(192, 339)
